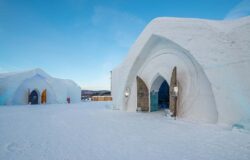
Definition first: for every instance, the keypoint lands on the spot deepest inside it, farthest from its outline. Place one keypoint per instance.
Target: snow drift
(212, 60)
(15, 88)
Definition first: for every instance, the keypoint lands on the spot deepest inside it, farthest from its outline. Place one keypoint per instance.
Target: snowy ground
(92, 131)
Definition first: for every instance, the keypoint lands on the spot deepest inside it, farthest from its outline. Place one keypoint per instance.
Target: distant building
(36, 87)
(101, 98)
(88, 94)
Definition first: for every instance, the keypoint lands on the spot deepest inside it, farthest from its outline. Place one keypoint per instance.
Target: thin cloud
(240, 10)
(2, 70)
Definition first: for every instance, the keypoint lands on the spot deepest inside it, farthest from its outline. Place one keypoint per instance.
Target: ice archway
(158, 57)
(212, 60)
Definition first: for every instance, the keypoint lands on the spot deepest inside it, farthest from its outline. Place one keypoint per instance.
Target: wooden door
(44, 97)
(142, 95)
(172, 96)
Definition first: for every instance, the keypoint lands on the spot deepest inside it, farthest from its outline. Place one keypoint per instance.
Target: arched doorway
(142, 95)
(44, 97)
(159, 94)
(33, 97)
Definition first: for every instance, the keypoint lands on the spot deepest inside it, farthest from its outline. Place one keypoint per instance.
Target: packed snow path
(92, 131)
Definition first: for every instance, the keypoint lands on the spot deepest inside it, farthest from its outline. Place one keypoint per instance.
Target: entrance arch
(33, 97)
(157, 54)
(159, 94)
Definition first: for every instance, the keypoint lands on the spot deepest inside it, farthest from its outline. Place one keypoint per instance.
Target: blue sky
(83, 40)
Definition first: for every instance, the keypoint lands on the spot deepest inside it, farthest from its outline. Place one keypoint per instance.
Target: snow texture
(213, 62)
(91, 131)
(14, 87)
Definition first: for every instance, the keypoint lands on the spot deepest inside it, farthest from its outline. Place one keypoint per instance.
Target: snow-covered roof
(210, 41)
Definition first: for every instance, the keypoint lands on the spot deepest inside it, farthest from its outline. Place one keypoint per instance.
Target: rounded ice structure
(15, 88)
(212, 61)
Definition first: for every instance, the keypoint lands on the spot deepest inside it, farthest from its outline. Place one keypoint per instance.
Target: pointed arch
(34, 97)
(159, 55)
(159, 97)
(156, 83)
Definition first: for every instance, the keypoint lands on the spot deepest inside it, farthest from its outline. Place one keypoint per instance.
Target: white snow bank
(90, 131)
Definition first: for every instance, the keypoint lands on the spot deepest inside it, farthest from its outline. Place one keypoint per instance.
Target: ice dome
(212, 61)
(20, 87)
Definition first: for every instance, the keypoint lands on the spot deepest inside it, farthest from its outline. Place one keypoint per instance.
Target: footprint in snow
(14, 147)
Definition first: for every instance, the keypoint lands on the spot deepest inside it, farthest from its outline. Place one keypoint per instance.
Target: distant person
(68, 99)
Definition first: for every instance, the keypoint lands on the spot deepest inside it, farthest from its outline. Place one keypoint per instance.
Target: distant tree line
(89, 93)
